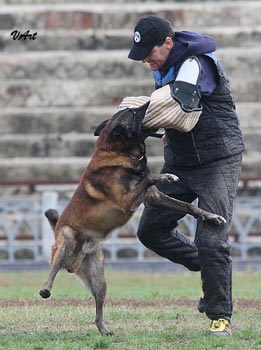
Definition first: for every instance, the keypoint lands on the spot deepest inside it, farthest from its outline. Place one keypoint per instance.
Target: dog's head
(125, 125)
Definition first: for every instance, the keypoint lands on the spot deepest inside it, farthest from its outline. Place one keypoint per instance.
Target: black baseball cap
(149, 31)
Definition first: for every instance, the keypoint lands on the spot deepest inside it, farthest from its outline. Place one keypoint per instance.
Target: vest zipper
(194, 143)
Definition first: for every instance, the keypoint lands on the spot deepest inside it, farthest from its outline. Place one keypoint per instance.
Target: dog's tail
(52, 216)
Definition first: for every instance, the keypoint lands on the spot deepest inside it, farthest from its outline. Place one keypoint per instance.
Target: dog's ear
(142, 109)
(100, 127)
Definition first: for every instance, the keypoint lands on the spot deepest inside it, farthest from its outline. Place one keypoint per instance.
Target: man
(207, 159)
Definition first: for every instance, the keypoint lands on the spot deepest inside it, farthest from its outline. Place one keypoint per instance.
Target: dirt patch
(132, 303)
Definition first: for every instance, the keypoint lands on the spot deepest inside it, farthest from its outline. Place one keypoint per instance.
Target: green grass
(144, 310)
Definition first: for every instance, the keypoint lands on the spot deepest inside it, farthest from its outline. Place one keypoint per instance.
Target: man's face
(159, 54)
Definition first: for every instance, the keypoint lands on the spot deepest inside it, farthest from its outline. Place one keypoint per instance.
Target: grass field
(145, 311)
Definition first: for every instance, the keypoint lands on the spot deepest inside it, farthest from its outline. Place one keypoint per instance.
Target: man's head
(152, 41)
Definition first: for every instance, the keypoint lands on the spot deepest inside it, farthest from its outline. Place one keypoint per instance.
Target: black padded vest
(216, 135)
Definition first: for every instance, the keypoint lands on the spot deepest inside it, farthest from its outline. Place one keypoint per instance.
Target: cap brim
(138, 53)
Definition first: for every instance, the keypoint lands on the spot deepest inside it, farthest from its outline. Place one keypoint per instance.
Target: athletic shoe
(220, 327)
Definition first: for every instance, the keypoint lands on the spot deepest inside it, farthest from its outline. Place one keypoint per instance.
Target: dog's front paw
(45, 293)
(170, 178)
(216, 219)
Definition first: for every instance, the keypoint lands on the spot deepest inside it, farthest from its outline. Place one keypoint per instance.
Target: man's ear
(100, 127)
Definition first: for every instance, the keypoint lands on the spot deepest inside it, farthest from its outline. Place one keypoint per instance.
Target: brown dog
(115, 183)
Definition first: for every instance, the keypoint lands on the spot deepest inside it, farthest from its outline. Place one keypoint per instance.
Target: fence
(25, 235)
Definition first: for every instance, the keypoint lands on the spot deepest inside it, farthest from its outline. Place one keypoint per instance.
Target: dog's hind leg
(45, 292)
(61, 248)
(91, 272)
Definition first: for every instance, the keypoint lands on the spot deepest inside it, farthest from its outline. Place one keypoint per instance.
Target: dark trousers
(215, 186)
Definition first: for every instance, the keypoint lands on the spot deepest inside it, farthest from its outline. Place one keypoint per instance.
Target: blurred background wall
(74, 71)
